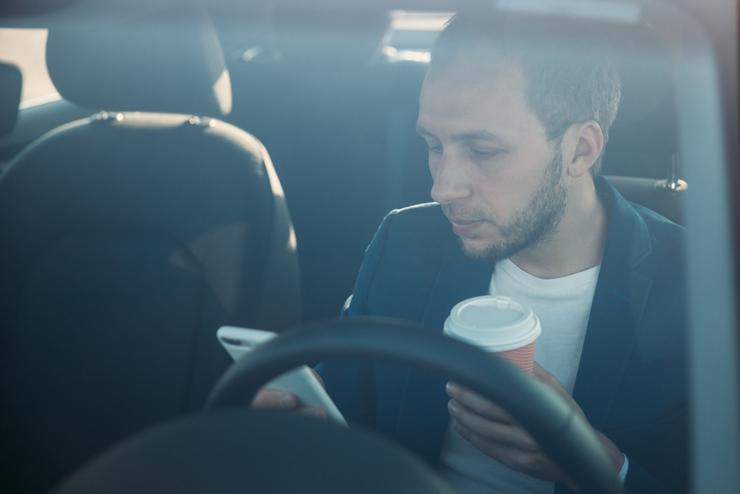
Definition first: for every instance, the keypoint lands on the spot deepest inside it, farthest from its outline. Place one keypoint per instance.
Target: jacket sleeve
(351, 382)
(640, 481)
(659, 467)
(662, 464)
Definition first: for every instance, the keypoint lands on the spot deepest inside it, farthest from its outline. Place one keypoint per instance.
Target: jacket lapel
(618, 305)
(617, 308)
(423, 417)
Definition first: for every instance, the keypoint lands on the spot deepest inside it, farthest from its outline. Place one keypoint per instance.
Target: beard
(530, 225)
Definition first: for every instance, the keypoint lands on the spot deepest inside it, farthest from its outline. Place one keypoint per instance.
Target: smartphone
(301, 381)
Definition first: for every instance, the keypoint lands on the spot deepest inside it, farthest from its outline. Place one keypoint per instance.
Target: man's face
(497, 177)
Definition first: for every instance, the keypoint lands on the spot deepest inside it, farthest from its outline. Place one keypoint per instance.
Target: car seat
(641, 159)
(128, 238)
(11, 82)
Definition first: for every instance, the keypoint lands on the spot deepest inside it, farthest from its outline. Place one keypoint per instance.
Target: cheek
(433, 165)
(493, 190)
(516, 173)
(503, 192)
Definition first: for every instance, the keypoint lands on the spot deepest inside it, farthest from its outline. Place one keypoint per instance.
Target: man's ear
(589, 143)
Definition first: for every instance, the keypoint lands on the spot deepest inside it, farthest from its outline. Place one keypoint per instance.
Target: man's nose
(450, 183)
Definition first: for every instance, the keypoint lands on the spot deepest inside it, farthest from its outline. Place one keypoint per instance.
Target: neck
(576, 244)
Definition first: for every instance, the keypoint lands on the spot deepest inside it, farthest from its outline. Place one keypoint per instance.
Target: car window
(411, 34)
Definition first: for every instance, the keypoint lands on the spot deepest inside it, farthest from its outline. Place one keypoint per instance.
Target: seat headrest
(305, 36)
(171, 62)
(11, 83)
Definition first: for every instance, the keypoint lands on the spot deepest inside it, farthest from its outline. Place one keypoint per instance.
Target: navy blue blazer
(631, 381)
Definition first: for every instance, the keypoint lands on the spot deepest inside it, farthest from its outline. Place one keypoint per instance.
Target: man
(515, 138)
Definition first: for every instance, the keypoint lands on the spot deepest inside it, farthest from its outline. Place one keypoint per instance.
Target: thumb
(541, 374)
(548, 379)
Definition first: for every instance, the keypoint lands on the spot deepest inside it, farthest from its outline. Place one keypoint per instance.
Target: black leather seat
(11, 83)
(127, 240)
(666, 197)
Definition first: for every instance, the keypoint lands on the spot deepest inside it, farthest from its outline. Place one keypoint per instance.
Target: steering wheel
(566, 438)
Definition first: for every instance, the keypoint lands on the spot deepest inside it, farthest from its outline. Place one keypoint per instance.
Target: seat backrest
(665, 197)
(641, 157)
(128, 239)
(11, 83)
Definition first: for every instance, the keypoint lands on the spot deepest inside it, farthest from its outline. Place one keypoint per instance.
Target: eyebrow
(422, 131)
(476, 135)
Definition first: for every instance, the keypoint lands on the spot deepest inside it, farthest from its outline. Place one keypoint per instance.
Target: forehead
(463, 97)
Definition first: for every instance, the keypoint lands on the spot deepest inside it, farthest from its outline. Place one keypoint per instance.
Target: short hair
(570, 79)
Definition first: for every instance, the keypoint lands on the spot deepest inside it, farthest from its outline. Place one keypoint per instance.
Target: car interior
(226, 163)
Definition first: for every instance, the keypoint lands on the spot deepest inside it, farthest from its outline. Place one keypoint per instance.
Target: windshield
(547, 182)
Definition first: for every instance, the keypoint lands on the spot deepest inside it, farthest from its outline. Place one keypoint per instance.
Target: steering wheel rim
(564, 436)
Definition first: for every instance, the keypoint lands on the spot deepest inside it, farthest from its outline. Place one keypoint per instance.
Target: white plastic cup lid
(494, 323)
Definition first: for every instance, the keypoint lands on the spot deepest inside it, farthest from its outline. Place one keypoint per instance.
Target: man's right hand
(277, 399)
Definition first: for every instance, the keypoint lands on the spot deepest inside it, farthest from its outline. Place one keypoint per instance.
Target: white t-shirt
(563, 306)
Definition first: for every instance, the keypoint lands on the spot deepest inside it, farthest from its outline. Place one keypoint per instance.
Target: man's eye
(436, 149)
(485, 153)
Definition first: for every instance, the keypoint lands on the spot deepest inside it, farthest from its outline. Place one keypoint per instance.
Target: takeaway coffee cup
(497, 324)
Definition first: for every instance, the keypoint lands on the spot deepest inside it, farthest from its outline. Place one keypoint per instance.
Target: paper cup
(497, 324)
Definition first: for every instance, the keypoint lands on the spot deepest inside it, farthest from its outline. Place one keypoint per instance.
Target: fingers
(314, 412)
(552, 382)
(275, 399)
(541, 374)
(478, 404)
(547, 378)
(496, 432)
(531, 463)
(511, 457)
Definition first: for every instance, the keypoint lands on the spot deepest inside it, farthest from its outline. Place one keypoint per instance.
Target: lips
(465, 228)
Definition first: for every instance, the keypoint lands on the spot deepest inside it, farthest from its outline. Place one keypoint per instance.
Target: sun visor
(11, 83)
(171, 62)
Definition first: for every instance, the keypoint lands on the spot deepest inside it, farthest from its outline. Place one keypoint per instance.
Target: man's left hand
(495, 433)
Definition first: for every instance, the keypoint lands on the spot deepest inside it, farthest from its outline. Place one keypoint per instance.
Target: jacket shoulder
(401, 261)
(418, 233)
(420, 221)
(666, 236)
